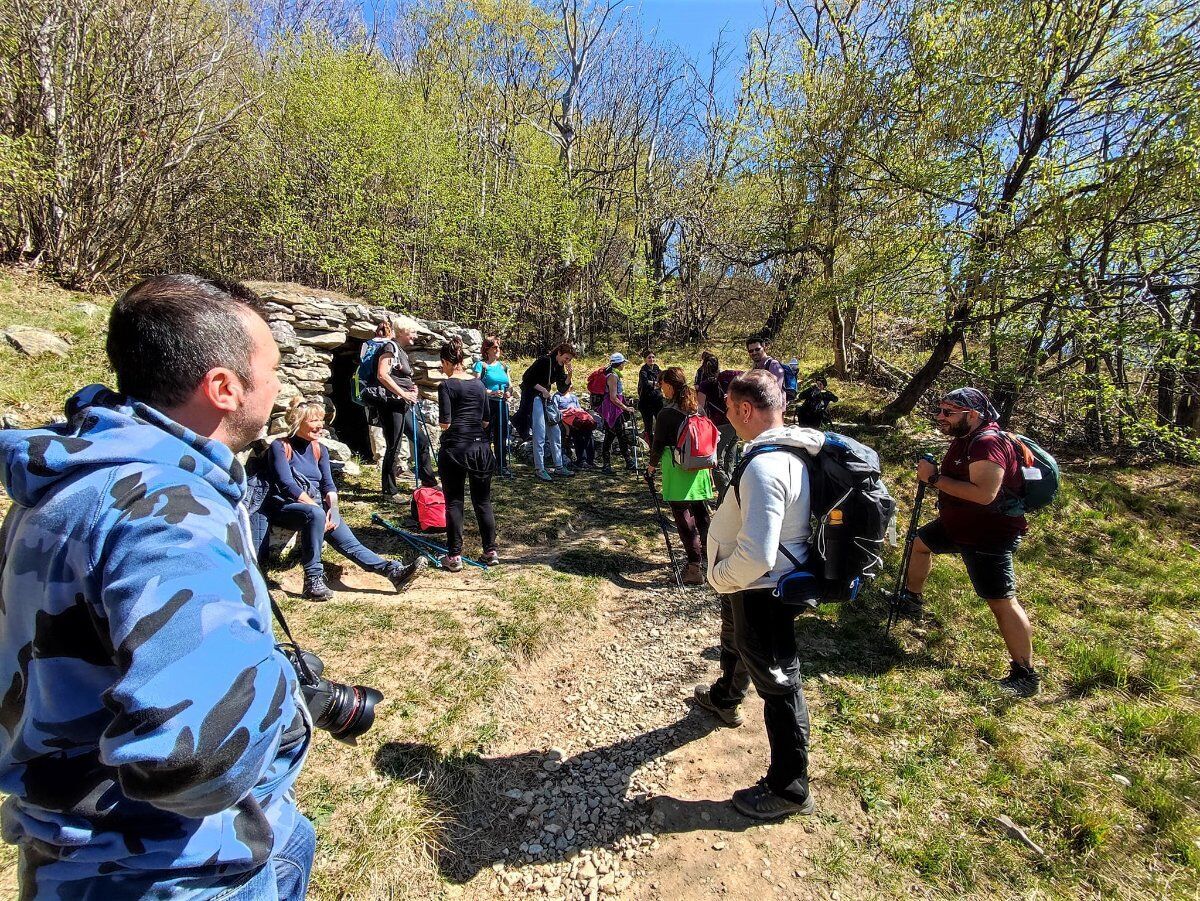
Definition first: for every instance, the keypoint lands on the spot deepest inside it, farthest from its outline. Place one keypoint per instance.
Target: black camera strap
(300, 662)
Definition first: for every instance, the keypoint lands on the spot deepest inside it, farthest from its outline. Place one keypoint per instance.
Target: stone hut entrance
(320, 334)
(350, 422)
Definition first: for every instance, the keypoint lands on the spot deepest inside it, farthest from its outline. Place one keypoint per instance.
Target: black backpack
(851, 507)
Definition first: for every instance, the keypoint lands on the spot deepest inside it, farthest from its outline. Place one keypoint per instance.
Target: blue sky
(694, 24)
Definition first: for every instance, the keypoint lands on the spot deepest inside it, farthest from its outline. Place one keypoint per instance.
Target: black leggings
(399, 419)
(460, 464)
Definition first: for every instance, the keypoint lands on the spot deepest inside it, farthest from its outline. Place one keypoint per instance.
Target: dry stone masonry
(311, 326)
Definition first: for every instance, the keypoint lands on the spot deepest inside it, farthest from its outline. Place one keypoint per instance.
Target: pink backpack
(429, 509)
(696, 444)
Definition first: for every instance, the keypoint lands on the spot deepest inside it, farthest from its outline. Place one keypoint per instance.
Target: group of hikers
(154, 726)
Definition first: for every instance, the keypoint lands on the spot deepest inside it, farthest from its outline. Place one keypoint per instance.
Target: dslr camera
(344, 711)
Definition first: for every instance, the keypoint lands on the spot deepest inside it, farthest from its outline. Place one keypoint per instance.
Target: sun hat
(616, 359)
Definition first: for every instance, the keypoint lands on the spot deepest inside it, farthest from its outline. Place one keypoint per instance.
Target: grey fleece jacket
(744, 538)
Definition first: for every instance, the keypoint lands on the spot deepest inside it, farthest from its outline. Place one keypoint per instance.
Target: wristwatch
(933, 479)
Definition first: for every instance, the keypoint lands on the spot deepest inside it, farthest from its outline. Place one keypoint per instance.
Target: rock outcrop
(34, 342)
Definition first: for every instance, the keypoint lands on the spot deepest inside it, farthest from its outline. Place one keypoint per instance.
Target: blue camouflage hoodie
(150, 731)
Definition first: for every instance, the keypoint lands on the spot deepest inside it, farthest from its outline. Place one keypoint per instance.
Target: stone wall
(310, 325)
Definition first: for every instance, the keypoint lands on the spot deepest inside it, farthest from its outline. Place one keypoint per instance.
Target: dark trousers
(309, 522)
(618, 434)
(500, 429)
(584, 446)
(691, 521)
(399, 419)
(758, 646)
(460, 465)
(650, 407)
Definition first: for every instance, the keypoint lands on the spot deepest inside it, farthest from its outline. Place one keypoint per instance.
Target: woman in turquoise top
(494, 376)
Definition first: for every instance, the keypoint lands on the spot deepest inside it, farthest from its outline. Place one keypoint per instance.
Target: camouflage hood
(104, 429)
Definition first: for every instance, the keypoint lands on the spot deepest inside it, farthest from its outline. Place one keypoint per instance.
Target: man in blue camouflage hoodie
(150, 731)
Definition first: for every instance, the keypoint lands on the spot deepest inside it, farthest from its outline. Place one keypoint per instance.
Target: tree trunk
(923, 379)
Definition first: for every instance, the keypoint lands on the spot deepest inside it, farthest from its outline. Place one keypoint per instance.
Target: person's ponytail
(452, 351)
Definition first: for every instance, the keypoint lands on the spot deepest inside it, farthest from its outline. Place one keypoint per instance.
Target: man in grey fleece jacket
(758, 639)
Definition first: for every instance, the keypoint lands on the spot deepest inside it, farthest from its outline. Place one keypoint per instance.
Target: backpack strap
(287, 450)
(735, 480)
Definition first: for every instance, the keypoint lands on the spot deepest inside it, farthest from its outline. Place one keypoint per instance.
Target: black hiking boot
(402, 574)
(1021, 682)
(730, 716)
(909, 605)
(760, 803)
(315, 588)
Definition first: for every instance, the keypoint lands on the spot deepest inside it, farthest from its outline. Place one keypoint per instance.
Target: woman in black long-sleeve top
(304, 498)
(465, 455)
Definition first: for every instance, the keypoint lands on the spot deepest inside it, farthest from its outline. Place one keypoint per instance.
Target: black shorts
(990, 568)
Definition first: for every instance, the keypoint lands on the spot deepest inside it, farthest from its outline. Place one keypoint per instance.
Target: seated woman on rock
(303, 497)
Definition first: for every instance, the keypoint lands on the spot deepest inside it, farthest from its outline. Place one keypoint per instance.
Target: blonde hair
(402, 323)
(302, 408)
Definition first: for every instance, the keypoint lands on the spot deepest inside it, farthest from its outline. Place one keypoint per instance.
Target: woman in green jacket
(686, 491)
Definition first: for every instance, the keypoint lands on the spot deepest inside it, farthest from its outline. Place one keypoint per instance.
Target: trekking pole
(633, 439)
(503, 435)
(909, 538)
(416, 455)
(662, 524)
(422, 543)
(423, 551)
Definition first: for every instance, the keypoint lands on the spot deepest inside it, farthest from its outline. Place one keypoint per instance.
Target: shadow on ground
(476, 797)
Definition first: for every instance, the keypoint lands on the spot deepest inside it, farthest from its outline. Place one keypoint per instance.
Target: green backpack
(1040, 477)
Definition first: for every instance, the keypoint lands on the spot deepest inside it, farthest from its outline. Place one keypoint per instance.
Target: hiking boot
(692, 575)
(451, 564)
(401, 575)
(544, 476)
(1021, 682)
(730, 716)
(565, 472)
(491, 558)
(607, 470)
(909, 605)
(760, 803)
(315, 588)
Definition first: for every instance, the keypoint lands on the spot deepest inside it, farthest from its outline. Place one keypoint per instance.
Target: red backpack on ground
(428, 508)
(696, 444)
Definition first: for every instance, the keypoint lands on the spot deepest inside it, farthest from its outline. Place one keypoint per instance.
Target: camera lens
(350, 710)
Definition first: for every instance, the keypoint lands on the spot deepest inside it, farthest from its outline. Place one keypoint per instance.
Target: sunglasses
(946, 411)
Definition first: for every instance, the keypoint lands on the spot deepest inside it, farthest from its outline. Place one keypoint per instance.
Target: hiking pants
(460, 464)
(585, 447)
(726, 450)
(399, 419)
(691, 521)
(758, 646)
(616, 433)
(650, 407)
(309, 521)
(543, 435)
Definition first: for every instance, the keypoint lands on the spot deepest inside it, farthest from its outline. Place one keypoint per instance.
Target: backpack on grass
(428, 509)
(851, 509)
(696, 443)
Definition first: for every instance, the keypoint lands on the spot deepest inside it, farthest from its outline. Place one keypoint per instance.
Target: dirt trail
(615, 785)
